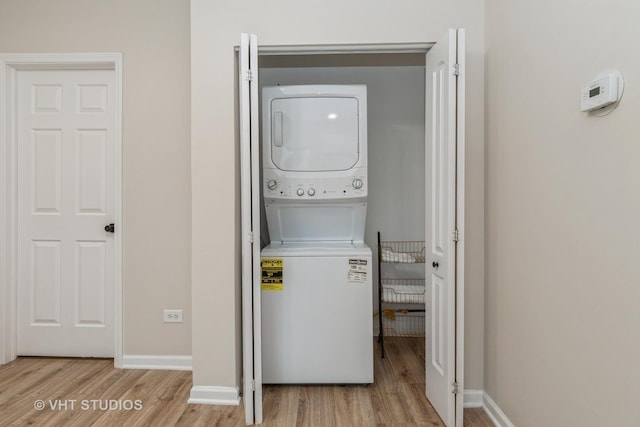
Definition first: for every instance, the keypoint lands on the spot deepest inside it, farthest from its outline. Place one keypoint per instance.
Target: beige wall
(154, 39)
(563, 208)
(215, 29)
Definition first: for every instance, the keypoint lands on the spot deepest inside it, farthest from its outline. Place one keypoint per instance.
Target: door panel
(438, 165)
(66, 196)
(92, 284)
(91, 171)
(438, 331)
(441, 120)
(256, 205)
(44, 307)
(250, 223)
(46, 173)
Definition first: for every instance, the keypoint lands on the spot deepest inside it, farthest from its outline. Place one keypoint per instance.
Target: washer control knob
(300, 192)
(357, 183)
(272, 184)
(311, 192)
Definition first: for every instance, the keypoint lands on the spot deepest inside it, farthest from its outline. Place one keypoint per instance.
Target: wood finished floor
(396, 398)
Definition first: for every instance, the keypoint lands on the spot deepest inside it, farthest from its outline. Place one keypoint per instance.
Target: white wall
(154, 39)
(563, 203)
(215, 29)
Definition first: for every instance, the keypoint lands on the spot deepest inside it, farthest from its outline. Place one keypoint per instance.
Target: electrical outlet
(173, 316)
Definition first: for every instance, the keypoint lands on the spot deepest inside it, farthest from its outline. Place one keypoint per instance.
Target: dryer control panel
(330, 188)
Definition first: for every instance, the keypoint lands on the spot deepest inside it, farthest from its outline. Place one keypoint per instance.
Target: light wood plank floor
(396, 399)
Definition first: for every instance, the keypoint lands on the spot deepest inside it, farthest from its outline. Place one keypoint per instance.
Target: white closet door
(250, 206)
(444, 127)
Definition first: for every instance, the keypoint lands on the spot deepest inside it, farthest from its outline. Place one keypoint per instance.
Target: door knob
(435, 264)
(109, 228)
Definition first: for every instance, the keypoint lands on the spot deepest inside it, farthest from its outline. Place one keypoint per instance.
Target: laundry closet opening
(309, 296)
(395, 84)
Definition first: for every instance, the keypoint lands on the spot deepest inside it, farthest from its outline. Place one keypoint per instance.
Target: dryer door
(314, 134)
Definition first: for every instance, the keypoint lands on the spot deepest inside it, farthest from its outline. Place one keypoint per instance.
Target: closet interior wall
(396, 136)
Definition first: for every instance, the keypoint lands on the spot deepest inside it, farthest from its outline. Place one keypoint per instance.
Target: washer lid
(316, 249)
(315, 133)
(315, 222)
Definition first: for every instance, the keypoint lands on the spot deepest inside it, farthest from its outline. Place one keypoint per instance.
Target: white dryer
(317, 321)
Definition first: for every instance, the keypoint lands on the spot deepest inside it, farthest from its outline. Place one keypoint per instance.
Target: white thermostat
(601, 92)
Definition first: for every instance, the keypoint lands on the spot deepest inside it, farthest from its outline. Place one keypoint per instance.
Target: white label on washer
(357, 272)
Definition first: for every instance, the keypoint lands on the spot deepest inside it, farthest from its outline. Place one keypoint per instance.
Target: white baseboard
(473, 398)
(144, 361)
(494, 412)
(212, 395)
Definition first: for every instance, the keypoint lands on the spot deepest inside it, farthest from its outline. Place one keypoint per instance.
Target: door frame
(10, 65)
(461, 150)
(423, 48)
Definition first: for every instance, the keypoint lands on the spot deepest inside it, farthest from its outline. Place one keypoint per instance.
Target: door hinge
(252, 385)
(456, 69)
(456, 235)
(250, 237)
(249, 76)
(455, 388)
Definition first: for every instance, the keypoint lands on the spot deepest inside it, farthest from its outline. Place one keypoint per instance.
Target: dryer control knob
(357, 183)
(272, 184)
(300, 192)
(311, 192)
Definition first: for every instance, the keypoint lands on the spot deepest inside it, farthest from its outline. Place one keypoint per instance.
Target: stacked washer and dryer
(317, 322)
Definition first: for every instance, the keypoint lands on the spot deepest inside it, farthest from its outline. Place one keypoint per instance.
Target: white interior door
(445, 128)
(250, 206)
(66, 181)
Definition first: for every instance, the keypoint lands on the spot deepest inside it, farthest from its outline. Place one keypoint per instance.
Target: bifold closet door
(250, 223)
(444, 221)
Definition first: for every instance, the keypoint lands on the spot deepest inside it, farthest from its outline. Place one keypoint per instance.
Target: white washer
(318, 328)
(317, 321)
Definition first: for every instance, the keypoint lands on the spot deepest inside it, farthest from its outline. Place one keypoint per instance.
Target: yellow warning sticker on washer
(272, 274)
